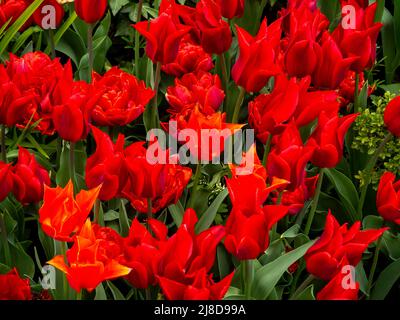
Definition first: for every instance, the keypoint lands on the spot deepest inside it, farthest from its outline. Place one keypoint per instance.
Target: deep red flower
(215, 33)
(87, 262)
(191, 58)
(359, 42)
(328, 139)
(325, 258)
(162, 183)
(11, 10)
(231, 8)
(388, 198)
(348, 85)
(91, 11)
(141, 252)
(123, 98)
(289, 157)
(249, 223)
(29, 178)
(13, 287)
(186, 259)
(256, 62)
(201, 89)
(106, 167)
(332, 69)
(392, 116)
(41, 13)
(163, 35)
(7, 180)
(335, 290)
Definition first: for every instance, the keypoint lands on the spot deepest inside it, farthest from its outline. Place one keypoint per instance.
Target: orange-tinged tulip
(62, 214)
(88, 265)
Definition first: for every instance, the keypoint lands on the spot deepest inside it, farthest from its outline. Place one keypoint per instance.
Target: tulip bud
(90, 11)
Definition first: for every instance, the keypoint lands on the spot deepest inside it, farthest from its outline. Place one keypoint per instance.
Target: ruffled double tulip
(202, 89)
(163, 35)
(249, 223)
(141, 252)
(186, 260)
(123, 98)
(335, 290)
(289, 157)
(256, 62)
(338, 243)
(268, 112)
(328, 139)
(29, 178)
(360, 42)
(91, 11)
(63, 214)
(87, 262)
(13, 287)
(392, 116)
(162, 183)
(215, 33)
(191, 58)
(106, 166)
(332, 69)
(388, 198)
(41, 15)
(231, 8)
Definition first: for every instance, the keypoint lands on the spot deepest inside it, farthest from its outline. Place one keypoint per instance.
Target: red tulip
(142, 254)
(302, 58)
(87, 264)
(106, 166)
(40, 16)
(190, 58)
(392, 116)
(325, 258)
(123, 98)
(11, 10)
(332, 69)
(62, 214)
(203, 90)
(328, 139)
(186, 259)
(335, 290)
(162, 183)
(256, 62)
(7, 180)
(388, 198)
(288, 158)
(29, 178)
(268, 112)
(163, 36)
(231, 8)
(360, 42)
(13, 287)
(348, 85)
(249, 222)
(91, 11)
(215, 33)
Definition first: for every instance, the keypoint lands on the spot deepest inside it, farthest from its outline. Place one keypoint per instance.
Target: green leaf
(117, 5)
(268, 276)
(100, 293)
(346, 190)
(177, 211)
(208, 217)
(123, 220)
(386, 280)
(115, 291)
(307, 294)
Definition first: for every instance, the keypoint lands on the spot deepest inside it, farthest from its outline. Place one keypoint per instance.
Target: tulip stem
(195, 185)
(137, 37)
(154, 112)
(149, 211)
(368, 173)
(315, 203)
(356, 92)
(52, 43)
(90, 50)
(4, 240)
(64, 249)
(3, 144)
(72, 165)
(97, 205)
(79, 295)
(248, 277)
(238, 105)
(302, 287)
(373, 267)
(148, 294)
(224, 73)
(267, 150)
